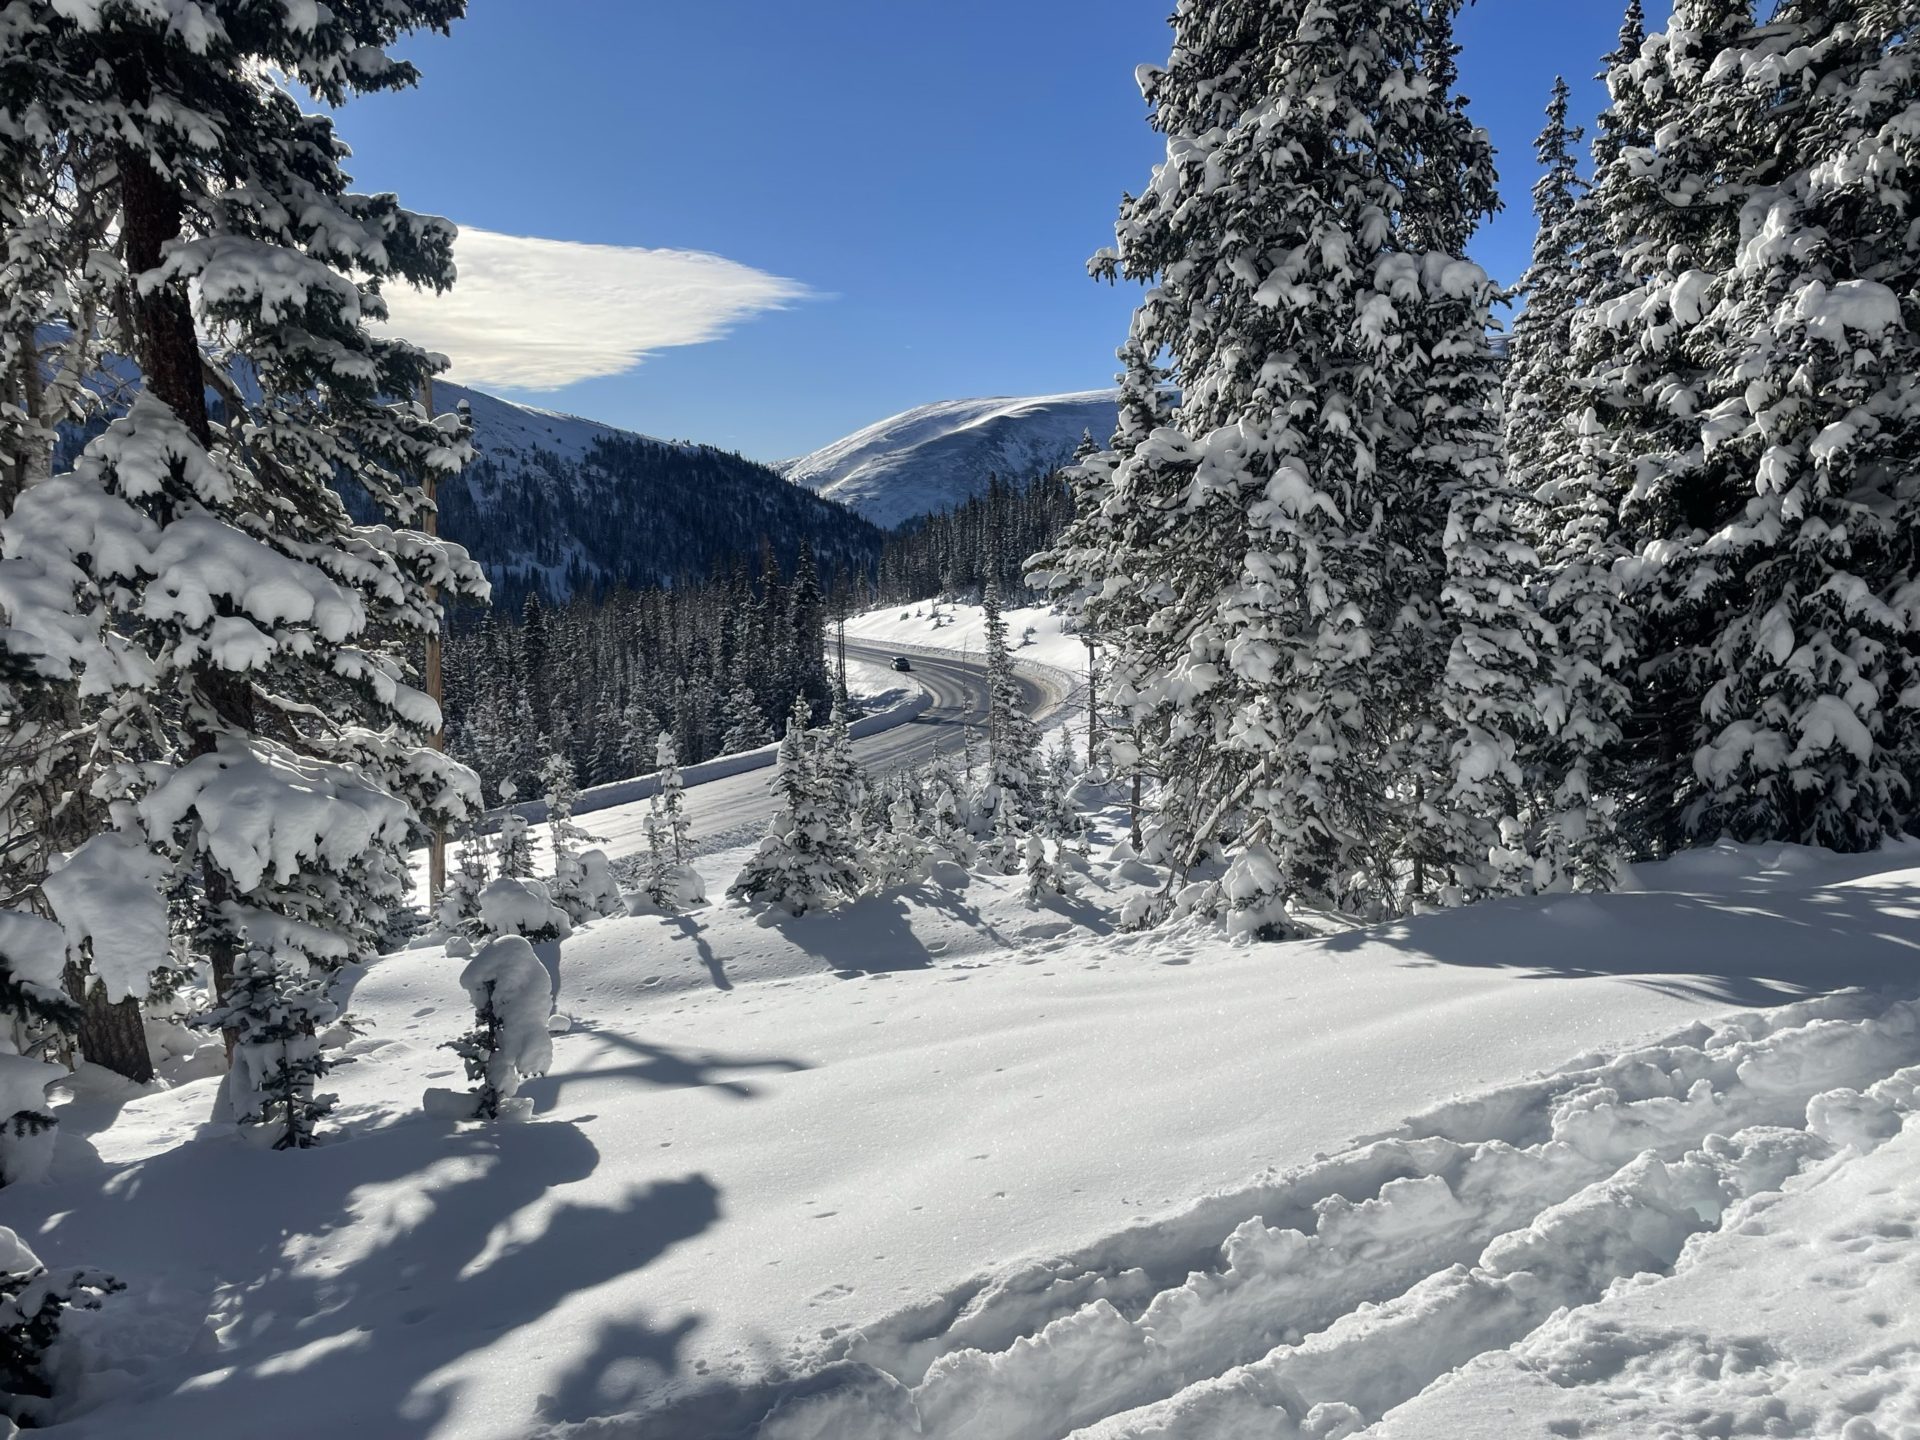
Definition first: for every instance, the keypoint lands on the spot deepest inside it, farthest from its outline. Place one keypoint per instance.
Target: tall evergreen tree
(1282, 526)
(215, 582)
(803, 864)
(1013, 792)
(1672, 171)
(1808, 422)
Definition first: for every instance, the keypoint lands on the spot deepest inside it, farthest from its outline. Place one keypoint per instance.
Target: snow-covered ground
(941, 1164)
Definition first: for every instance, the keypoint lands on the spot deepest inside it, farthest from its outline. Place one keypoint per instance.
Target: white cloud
(537, 314)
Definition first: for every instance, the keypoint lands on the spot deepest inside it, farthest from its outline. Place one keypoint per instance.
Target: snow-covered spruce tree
(211, 566)
(1542, 398)
(1573, 515)
(1013, 791)
(512, 998)
(512, 842)
(36, 1013)
(1301, 240)
(746, 727)
(569, 888)
(899, 854)
(33, 953)
(677, 826)
(802, 864)
(1042, 870)
(944, 822)
(842, 781)
(460, 901)
(34, 1302)
(1673, 165)
(670, 882)
(1808, 682)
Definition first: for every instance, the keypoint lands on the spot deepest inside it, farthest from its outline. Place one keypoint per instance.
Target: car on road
(900, 662)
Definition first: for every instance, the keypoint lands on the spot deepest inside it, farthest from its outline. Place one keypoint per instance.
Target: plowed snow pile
(941, 1165)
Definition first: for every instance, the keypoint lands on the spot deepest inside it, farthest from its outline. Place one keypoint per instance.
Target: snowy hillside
(932, 458)
(563, 503)
(560, 503)
(862, 1176)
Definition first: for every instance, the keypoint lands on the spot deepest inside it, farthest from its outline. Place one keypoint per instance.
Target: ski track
(1313, 1302)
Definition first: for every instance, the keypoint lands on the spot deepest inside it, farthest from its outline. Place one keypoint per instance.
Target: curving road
(736, 808)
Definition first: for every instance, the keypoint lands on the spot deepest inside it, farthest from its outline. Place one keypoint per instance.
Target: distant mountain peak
(933, 457)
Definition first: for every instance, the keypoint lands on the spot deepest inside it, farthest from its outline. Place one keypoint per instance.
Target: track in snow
(1314, 1302)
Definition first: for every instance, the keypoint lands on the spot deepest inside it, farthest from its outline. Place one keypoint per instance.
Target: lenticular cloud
(538, 314)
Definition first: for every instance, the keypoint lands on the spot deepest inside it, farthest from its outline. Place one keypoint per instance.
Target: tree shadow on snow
(663, 1066)
(869, 936)
(341, 1279)
(687, 928)
(1752, 949)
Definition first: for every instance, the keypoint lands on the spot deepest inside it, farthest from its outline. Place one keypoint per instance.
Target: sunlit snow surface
(936, 456)
(941, 1164)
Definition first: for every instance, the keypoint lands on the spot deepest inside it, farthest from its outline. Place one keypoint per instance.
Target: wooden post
(437, 849)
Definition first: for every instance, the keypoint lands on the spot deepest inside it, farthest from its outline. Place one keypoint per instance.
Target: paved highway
(735, 809)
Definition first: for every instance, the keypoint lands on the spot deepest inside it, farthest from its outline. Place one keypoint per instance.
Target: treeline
(713, 663)
(598, 681)
(633, 514)
(959, 551)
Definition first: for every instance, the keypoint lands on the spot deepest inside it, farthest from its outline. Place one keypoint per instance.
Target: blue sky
(901, 196)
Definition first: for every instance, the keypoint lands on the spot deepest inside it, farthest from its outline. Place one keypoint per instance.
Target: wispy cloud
(536, 314)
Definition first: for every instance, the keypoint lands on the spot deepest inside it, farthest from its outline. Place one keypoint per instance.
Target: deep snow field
(939, 1164)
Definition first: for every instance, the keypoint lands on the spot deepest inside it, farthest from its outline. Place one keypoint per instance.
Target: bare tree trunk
(111, 1036)
(1093, 708)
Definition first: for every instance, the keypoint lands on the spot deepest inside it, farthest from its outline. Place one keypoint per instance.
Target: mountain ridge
(936, 456)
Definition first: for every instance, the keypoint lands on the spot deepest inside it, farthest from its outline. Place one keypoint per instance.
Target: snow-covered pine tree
(1042, 870)
(569, 888)
(944, 821)
(1542, 399)
(212, 568)
(275, 1010)
(842, 781)
(34, 1303)
(512, 998)
(1673, 166)
(35, 1011)
(802, 864)
(899, 855)
(1572, 514)
(512, 845)
(460, 901)
(670, 882)
(1808, 423)
(746, 728)
(1301, 244)
(1012, 793)
(1478, 637)
(673, 801)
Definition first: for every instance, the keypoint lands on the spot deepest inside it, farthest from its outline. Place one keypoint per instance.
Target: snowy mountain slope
(770, 1154)
(931, 458)
(561, 503)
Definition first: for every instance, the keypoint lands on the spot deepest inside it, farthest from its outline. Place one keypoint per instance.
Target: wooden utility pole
(437, 850)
